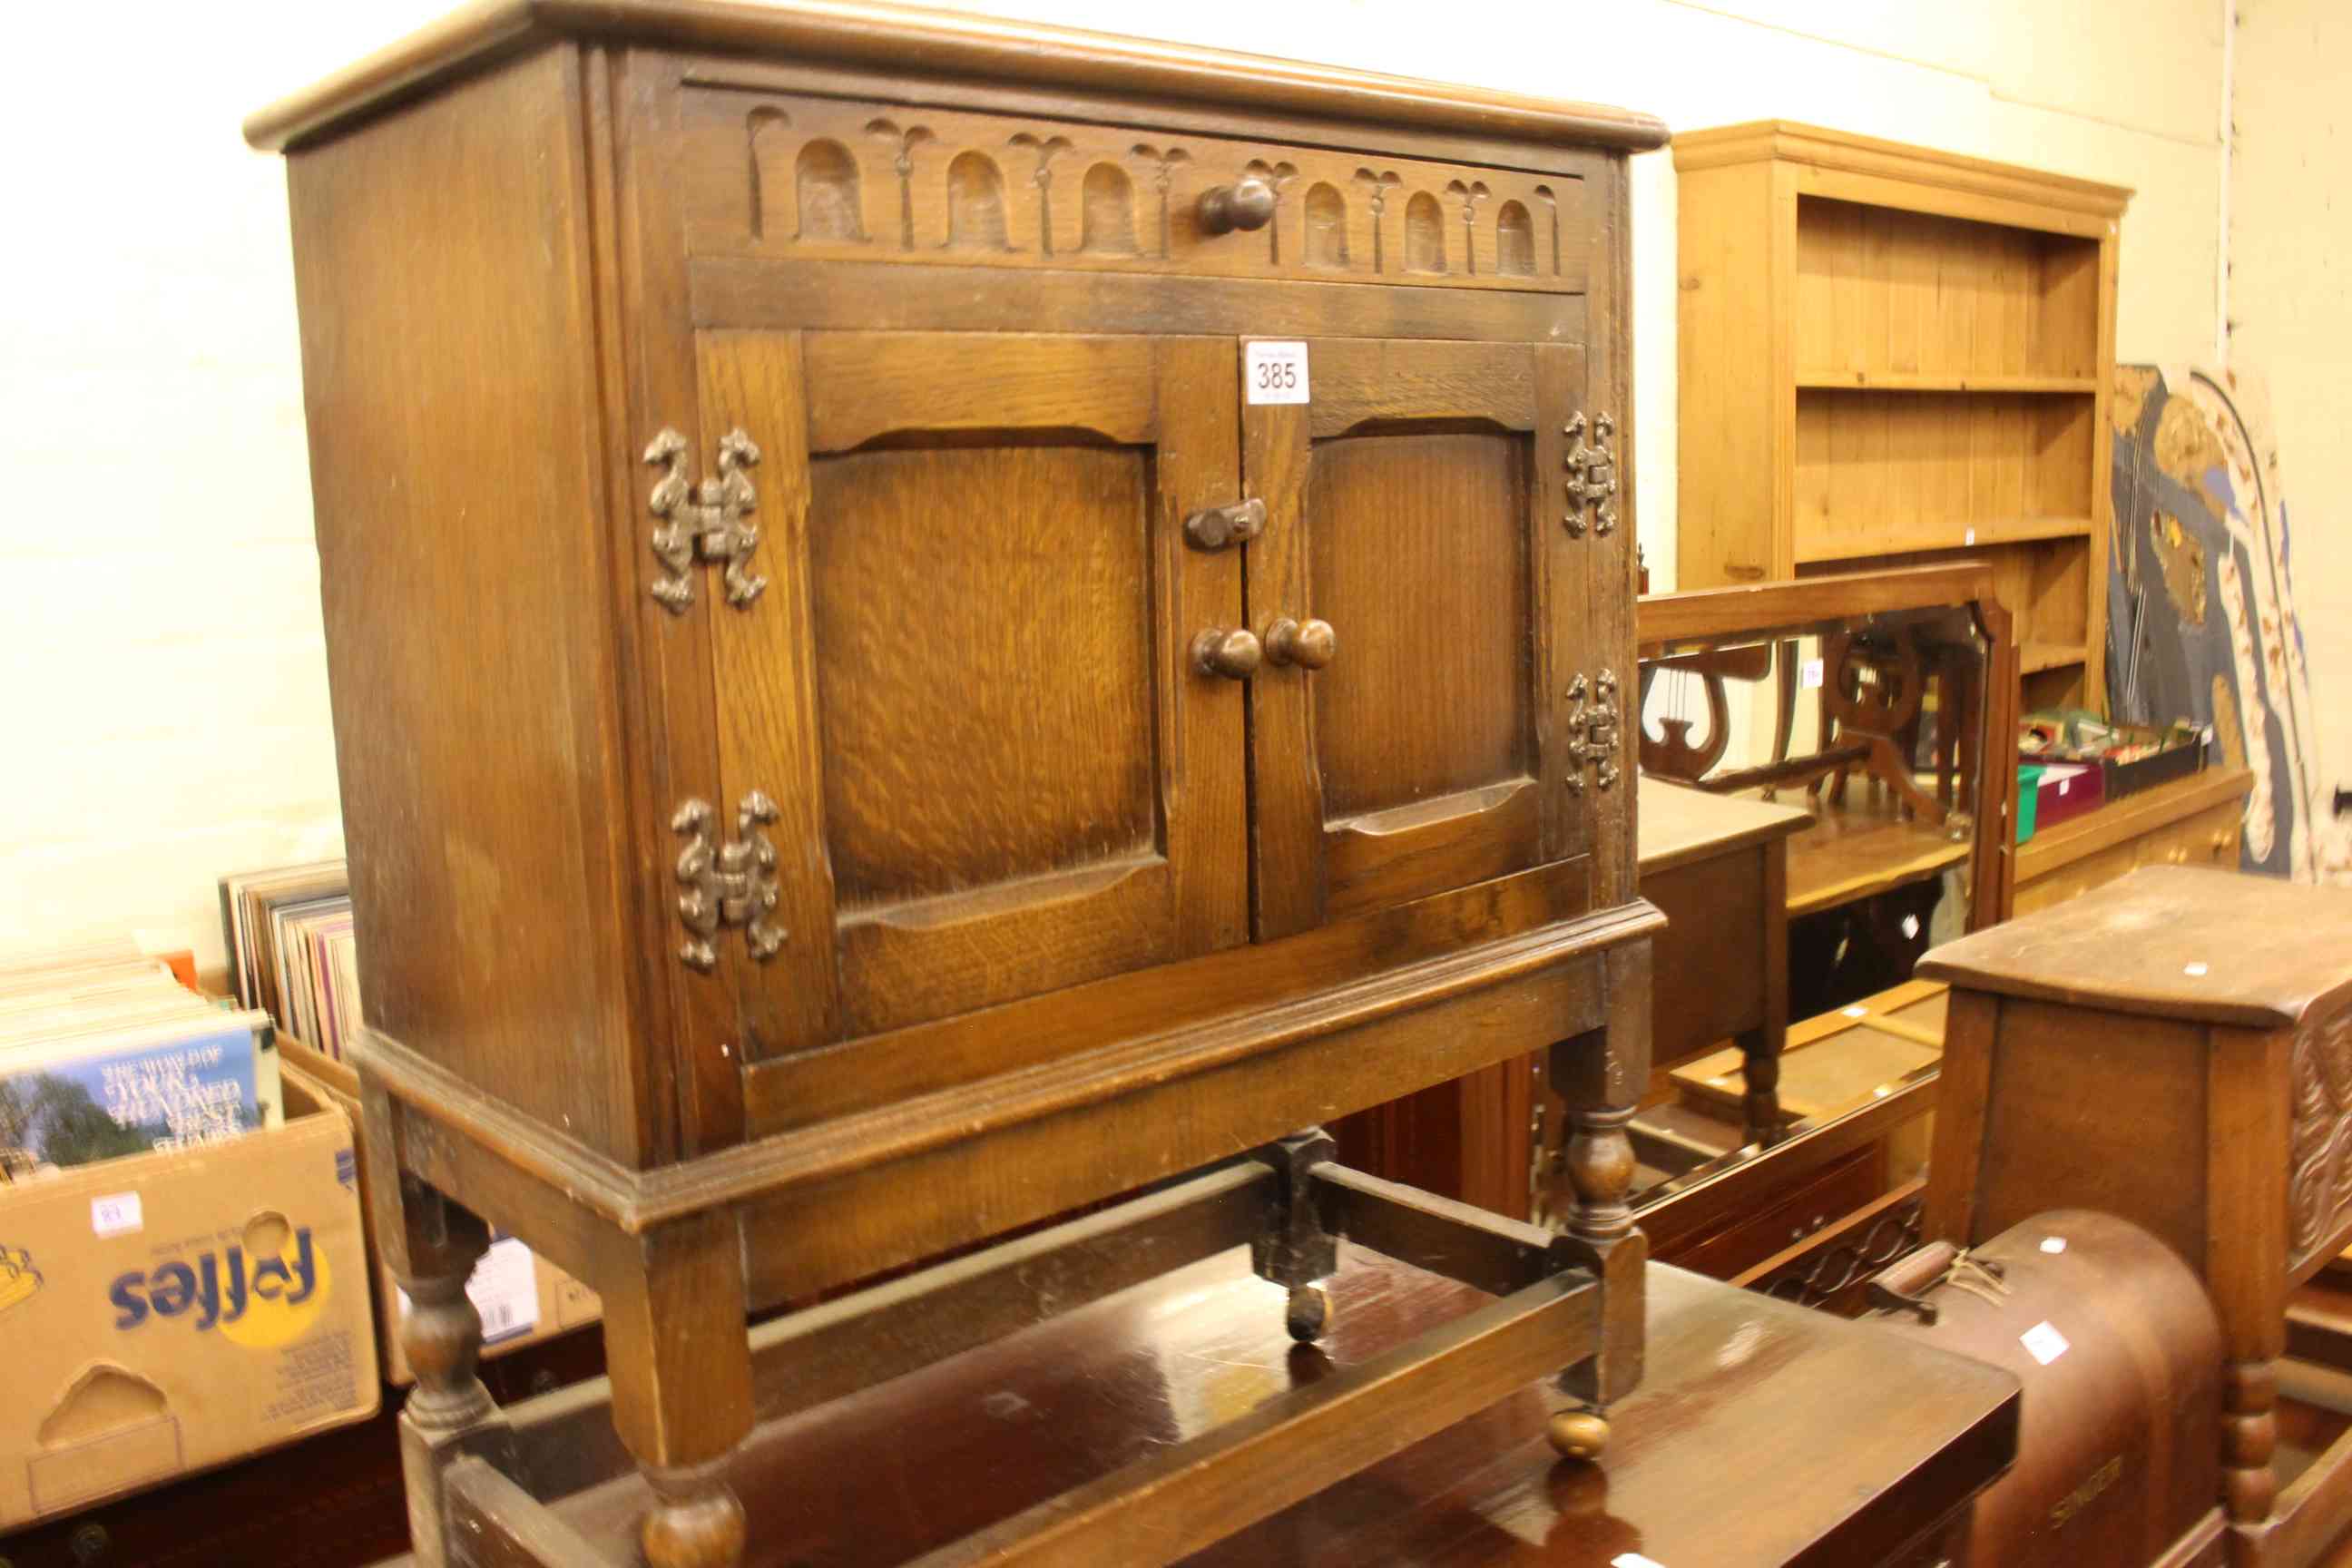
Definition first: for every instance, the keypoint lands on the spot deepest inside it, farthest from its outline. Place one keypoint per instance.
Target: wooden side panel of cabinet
(1410, 506)
(1730, 335)
(457, 467)
(966, 687)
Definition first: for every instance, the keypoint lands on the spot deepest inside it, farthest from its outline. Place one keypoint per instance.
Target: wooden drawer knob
(1247, 202)
(1309, 644)
(1232, 654)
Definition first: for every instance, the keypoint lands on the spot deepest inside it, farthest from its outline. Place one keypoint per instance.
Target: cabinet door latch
(726, 884)
(1591, 476)
(709, 522)
(1592, 738)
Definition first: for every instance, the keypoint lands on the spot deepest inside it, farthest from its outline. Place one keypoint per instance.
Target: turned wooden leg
(680, 1362)
(2249, 1435)
(1296, 1252)
(1759, 1068)
(1601, 1075)
(1762, 1054)
(431, 1244)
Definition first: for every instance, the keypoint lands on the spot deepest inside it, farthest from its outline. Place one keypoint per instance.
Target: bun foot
(698, 1523)
(1309, 1313)
(1578, 1434)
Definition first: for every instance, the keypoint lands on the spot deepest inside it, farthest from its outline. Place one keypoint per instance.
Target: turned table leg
(2248, 1437)
(1600, 1075)
(432, 1244)
(680, 1363)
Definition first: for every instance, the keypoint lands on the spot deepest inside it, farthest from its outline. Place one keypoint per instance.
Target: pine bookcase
(1892, 357)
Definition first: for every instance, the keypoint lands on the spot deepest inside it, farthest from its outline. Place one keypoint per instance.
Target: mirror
(1863, 708)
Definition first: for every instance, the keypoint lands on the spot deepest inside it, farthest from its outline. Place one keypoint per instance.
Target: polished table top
(1764, 1434)
(1677, 824)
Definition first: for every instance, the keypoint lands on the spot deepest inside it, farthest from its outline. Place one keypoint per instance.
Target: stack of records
(289, 933)
(103, 1053)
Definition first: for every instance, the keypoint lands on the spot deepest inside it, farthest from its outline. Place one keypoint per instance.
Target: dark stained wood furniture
(822, 788)
(1764, 1437)
(1496, 1138)
(1717, 867)
(2175, 1048)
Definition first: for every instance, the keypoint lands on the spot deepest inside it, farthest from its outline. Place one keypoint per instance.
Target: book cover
(99, 1099)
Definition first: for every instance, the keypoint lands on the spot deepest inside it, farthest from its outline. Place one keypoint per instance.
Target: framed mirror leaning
(1827, 786)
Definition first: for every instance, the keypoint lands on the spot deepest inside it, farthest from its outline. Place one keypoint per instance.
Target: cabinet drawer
(787, 175)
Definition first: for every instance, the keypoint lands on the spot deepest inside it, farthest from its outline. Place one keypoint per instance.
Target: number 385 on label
(1274, 372)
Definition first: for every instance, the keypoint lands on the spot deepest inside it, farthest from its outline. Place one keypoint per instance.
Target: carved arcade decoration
(820, 175)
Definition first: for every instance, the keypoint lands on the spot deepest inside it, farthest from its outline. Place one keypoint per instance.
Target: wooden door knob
(1309, 644)
(1247, 202)
(1232, 654)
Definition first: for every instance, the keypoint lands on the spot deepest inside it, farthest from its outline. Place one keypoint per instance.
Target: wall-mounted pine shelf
(1893, 355)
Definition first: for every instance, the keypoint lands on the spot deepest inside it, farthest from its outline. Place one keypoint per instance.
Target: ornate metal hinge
(708, 524)
(729, 884)
(1592, 740)
(1591, 476)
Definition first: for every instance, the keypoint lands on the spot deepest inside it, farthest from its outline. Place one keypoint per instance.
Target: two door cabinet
(932, 622)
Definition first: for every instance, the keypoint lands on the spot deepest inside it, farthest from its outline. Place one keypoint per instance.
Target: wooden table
(2175, 1048)
(1863, 848)
(1717, 867)
(1763, 1435)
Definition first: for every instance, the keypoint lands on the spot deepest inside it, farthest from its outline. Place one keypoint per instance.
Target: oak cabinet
(932, 622)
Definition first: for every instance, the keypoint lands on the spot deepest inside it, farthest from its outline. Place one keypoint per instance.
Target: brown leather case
(2118, 1458)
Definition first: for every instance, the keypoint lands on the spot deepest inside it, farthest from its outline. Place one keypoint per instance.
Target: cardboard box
(523, 1298)
(166, 1312)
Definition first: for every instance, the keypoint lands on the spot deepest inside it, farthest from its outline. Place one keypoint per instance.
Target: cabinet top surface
(2175, 942)
(1679, 824)
(937, 44)
(1788, 141)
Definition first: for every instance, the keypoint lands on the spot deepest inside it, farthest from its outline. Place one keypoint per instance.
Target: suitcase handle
(1899, 1287)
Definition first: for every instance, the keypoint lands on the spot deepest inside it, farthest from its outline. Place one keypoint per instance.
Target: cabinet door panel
(967, 672)
(1406, 507)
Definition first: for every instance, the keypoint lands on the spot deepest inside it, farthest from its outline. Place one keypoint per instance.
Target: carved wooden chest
(933, 621)
(2174, 1048)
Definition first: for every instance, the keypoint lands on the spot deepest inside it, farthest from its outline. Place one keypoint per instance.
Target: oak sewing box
(933, 622)
(2175, 1048)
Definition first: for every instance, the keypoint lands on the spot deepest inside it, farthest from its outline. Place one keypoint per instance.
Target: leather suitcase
(2119, 1456)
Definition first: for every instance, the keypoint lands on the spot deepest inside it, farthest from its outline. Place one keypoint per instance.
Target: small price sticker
(2044, 1342)
(1274, 372)
(1811, 675)
(116, 1214)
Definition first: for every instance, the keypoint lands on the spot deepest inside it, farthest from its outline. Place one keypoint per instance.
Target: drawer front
(2208, 838)
(786, 175)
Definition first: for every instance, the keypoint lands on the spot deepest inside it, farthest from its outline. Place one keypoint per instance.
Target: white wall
(2291, 301)
(159, 622)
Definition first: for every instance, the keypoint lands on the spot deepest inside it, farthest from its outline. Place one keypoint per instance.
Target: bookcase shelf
(1893, 356)
(2037, 657)
(1915, 381)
